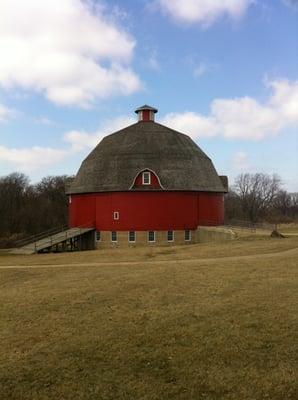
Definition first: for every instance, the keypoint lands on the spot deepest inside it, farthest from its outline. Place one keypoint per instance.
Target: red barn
(146, 183)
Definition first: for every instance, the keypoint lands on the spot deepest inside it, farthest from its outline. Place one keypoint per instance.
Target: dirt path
(291, 252)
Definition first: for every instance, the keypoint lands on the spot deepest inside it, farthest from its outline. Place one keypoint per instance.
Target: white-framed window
(98, 236)
(151, 236)
(114, 236)
(116, 215)
(146, 178)
(170, 236)
(131, 236)
(187, 235)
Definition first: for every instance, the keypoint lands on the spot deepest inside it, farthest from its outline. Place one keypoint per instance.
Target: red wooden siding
(146, 115)
(143, 211)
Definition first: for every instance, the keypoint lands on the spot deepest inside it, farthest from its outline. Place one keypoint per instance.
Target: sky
(225, 72)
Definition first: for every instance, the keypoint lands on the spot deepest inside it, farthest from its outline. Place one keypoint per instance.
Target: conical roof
(177, 160)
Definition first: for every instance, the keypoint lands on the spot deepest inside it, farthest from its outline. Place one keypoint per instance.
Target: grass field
(208, 321)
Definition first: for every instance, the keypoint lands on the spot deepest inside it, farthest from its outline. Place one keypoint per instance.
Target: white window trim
(132, 241)
(173, 236)
(187, 240)
(143, 180)
(152, 241)
(116, 215)
(114, 241)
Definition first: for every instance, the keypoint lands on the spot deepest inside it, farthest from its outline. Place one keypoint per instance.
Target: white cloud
(243, 118)
(204, 12)
(240, 118)
(5, 113)
(292, 3)
(81, 140)
(200, 70)
(240, 161)
(69, 50)
(37, 158)
(191, 123)
(153, 62)
(44, 121)
(30, 159)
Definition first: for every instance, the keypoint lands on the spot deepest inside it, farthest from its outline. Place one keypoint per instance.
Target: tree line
(259, 198)
(27, 208)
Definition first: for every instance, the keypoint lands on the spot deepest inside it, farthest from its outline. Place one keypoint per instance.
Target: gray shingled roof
(173, 156)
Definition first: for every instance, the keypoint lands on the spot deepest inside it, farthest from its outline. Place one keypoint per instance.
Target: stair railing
(39, 236)
(49, 238)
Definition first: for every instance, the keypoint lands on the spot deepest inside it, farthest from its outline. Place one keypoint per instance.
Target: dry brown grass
(201, 329)
(288, 228)
(249, 244)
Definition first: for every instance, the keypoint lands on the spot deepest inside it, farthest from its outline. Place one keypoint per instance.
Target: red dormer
(146, 180)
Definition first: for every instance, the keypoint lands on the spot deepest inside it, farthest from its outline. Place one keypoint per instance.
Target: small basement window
(131, 236)
(114, 236)
(98, 236)
(151, 236)
(187, 235)
(146, 178)
(170, 236)
(116, 215)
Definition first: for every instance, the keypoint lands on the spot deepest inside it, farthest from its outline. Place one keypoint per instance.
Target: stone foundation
(202, 234)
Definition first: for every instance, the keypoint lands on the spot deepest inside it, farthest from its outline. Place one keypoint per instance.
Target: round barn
(146, 183)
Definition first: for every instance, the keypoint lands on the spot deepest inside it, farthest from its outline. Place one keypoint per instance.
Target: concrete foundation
(214, 234)
(201, 235)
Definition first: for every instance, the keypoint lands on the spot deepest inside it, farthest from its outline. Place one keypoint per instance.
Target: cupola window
(146, 178)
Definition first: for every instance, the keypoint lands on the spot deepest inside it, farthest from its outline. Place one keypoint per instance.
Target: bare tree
(257, 193)
(27, 208)
(13, 192)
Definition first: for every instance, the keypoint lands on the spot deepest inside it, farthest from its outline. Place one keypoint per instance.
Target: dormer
(146, 180)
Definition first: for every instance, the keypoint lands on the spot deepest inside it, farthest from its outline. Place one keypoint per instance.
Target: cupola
(146, 113)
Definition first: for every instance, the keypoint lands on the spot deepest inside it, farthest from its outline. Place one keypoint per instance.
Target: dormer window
(146, 178)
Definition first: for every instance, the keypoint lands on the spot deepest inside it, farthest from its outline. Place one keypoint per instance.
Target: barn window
(98, 236)
(116, 215)
(187, 235)
(131, 236)
(151, 236)
(146, 178)
(170, 236)
(114, 236)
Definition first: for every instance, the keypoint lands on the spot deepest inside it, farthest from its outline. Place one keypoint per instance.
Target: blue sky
(226, 73)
